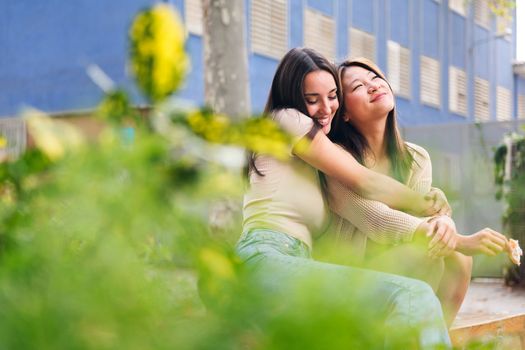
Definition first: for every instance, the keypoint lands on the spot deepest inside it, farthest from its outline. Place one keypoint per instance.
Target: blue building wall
(399, 21)
(457, 39)
(46, 47)
(362, 15)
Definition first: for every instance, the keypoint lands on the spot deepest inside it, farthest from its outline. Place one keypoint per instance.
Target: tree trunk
(225, 58)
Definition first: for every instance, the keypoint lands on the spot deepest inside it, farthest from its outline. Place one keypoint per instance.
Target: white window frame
(503, 103)
(482, 13)
(458, 6)
(521, 106)
(399, 73)
(481, 100)
(458, 96)
(269, 27)
(430, 81)
(320, 32)
(193, 16)
(361, 44)
(504, 27)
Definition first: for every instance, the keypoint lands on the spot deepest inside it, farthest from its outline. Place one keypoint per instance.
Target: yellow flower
(158, 60)
(3, 142)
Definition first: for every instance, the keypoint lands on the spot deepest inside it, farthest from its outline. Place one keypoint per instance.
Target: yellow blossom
(158, 60)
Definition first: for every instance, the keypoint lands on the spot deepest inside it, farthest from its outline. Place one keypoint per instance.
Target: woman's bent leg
(455, 283)
(402, 303)
(448, 277)
(409, 260)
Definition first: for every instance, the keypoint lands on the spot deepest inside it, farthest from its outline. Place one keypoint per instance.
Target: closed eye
(355, 87)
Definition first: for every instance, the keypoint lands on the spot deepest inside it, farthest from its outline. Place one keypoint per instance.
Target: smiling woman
(385, 239)
(320, 94)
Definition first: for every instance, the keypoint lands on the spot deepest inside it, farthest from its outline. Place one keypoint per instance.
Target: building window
(482, 13)
(504, 27)
(481, 100)
(503, 104)
(457, 98)
(430, 82)
(319, 33)
(269, 27)
(193, 11)
(399, 69)
(362, 44)
(458, 6)
(521, 107)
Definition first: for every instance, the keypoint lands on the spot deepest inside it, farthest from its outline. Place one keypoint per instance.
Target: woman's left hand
(440, 204)
(444, 236)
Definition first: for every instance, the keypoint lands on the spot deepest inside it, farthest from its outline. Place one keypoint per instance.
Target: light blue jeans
(278, 259)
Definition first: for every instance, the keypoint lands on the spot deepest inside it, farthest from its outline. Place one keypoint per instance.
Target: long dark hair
(347, 135)
(287, 85)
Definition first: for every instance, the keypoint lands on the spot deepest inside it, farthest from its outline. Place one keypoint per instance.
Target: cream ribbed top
(288, 198)
(359, 219)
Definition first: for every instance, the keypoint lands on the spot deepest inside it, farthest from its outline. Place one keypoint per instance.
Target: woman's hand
(436, 203)
(486, 241)
(444, 235)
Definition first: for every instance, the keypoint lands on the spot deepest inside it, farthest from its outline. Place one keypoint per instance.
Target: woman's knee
(417, 287)
(460, 264)
(466, 263)
(417, 302)
(423, 296)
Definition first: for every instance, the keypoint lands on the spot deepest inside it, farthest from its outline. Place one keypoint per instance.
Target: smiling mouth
(378, 96)
(323, 121)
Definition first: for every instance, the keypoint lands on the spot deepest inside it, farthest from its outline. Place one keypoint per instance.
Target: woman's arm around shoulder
(335, 162)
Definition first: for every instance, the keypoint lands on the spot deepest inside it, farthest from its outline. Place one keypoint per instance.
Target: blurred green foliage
(101, 241)
(509, 176)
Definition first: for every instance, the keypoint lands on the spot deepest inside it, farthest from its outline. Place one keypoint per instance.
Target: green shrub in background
(101, 241)
(509, 176)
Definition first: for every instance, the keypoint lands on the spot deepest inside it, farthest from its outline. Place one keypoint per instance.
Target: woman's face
(367, 96)
(320, 96)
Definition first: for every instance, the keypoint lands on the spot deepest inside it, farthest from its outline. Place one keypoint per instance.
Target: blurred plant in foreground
(101, 240)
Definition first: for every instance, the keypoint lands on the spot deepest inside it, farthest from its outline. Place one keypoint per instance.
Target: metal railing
(13, 130)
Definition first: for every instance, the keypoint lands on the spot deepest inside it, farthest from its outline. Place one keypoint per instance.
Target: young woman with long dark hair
(367, 128)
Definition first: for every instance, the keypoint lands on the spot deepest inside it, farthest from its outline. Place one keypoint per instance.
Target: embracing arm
(379, 222)
(342, 166)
